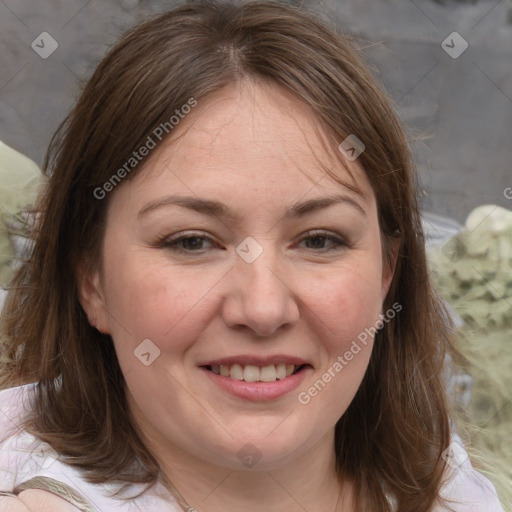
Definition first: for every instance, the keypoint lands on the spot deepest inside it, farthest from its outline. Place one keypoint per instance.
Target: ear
(92, 299)
(389, 264)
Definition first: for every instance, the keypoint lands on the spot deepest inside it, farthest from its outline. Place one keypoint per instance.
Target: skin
(33, 500)
(257, 149)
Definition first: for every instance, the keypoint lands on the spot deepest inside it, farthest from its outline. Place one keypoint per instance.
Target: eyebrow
(217, 209)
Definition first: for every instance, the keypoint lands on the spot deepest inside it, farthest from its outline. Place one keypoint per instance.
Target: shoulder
(35, 500)
(26, 461)
(12, 504)
(465, 489)
(15, 402)
(15, 444)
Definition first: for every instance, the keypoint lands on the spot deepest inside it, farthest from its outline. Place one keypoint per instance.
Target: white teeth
(236, 372)
(268, 373)
(251, 373)
(280, 371)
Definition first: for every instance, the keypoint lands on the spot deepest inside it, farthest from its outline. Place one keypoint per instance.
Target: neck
(309, 482)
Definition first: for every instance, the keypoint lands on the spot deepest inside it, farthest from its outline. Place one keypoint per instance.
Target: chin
(259, 451)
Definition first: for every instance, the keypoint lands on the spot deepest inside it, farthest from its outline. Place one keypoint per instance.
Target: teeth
(236, 372)
(268, 373)
(251, 373)
(281, 371)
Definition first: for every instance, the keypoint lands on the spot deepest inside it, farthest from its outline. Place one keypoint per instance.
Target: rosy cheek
(347, 304)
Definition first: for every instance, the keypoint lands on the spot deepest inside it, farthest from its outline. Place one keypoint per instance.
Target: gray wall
(458, 110)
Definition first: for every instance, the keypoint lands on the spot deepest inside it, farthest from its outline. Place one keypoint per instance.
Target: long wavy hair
(391, 437)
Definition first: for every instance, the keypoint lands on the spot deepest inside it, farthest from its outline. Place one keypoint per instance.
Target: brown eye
(317, 240)
(188, 243)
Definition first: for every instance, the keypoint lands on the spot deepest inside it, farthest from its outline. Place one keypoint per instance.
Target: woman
(228, 289)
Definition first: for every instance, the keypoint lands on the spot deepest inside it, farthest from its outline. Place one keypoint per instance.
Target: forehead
(252, 136)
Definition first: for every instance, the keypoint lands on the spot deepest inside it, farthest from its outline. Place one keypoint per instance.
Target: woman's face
(232, 330)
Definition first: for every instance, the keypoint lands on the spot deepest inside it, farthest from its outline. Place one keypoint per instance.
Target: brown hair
(392, 435)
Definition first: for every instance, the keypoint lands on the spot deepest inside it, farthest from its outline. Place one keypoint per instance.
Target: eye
(317, 240)
(195, 242)
(189, 242)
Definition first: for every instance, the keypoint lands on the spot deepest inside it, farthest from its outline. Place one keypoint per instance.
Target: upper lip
(244, 360)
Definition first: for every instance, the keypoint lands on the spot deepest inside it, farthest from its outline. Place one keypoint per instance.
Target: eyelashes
(174, 243)
(193, 242)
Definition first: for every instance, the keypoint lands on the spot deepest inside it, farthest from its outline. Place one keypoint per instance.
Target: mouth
(257, 378)
(253, 373)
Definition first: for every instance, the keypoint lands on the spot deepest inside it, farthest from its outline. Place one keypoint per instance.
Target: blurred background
(458, 110)
(446, 64)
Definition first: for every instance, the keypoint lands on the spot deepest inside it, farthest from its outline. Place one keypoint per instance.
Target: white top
(23, 456)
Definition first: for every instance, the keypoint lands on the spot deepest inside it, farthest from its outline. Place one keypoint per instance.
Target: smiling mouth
(251, 373)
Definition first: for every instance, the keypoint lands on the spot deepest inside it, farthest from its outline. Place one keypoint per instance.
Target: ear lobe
(92, 299)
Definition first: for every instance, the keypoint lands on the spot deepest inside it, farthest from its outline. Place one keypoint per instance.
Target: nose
(260, 297)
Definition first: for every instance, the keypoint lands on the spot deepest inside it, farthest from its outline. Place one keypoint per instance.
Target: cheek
(345, 310)
(151, 300)
(346, 303)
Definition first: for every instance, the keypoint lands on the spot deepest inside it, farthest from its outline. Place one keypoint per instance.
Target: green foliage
(473, 272)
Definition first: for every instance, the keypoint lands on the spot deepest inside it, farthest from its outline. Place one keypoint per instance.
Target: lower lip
(258, 391)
